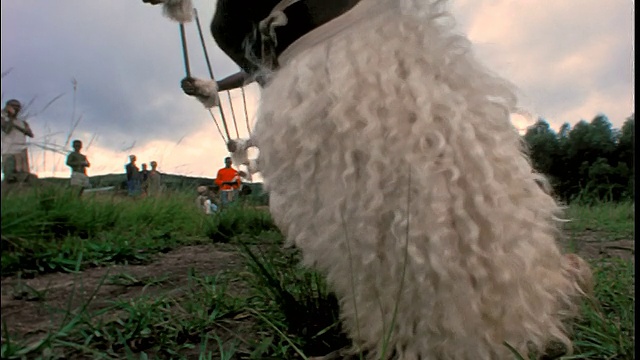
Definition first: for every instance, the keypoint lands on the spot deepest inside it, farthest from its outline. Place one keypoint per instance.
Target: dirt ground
(28, 315)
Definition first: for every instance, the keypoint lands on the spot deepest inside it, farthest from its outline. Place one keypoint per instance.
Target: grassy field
(108, 277)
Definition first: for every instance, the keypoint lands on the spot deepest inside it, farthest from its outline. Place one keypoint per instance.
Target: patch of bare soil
(590, 245)
(31, 306)
(624, 249)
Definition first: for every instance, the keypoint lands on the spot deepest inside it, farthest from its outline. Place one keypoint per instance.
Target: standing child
(78, 164)
(15, 130)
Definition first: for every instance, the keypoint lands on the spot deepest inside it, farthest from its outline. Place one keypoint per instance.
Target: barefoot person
(78, 163)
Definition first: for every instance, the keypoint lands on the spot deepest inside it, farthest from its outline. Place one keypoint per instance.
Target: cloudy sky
(112, 69)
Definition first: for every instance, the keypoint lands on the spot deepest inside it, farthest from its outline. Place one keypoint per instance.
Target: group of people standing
(15, 166)
(143, 182)
(15, 156)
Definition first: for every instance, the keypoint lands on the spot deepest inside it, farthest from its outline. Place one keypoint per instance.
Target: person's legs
(225, 197)
(22, 166)
(9, 168)
(22, 162)
(133, 187)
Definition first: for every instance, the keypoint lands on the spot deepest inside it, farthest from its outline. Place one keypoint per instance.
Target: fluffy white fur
(240, 155)
(392, 164)
(240, 148)
(178, 10)
(207, 92)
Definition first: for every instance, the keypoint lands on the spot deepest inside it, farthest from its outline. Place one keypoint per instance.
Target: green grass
(48, 229)
(613, 220)
(153, 325)
(269, 307)
(607, 328)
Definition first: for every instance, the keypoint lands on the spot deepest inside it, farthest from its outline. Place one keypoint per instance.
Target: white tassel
(207, 92)
(253, 166)
(178, 10)
(240, 156)
(247, 175)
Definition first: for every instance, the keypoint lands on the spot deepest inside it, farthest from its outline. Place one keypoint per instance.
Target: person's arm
(73, 160)
(86, 161)
(218, 179)
(7, 125)
(70, 161)
(234, 81)
(27, 130)
(233, 181)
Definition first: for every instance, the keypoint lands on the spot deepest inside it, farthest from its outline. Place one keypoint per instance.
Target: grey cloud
(127, 59)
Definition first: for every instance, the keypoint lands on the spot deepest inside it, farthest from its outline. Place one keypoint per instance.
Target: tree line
(587, 163)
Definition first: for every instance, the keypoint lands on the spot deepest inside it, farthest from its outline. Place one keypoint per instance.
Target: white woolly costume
(392, 164)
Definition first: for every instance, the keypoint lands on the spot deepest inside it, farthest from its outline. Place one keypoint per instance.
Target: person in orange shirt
(228, 179)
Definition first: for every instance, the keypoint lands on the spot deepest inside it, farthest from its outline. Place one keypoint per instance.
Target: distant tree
(591, 161)
(626, 142)
(563, 134)
(590, 141)
(543, 146)
(625, 151)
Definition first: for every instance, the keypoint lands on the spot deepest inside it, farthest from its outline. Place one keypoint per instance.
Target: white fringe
(241, 157)
(178, 10)
(253, 166)
(207, 92)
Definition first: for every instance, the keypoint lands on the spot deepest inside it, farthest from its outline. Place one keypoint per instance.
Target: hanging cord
(233, 114)
(206, 56)
(185, 54)
(187, 69)
(217, 126)
(246, 114)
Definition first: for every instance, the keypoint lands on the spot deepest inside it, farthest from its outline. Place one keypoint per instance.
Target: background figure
(144, 177)
(133, 177)
(207, 200)
(154, 180)
(78, 164)
(15, 158)
(228, 180)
